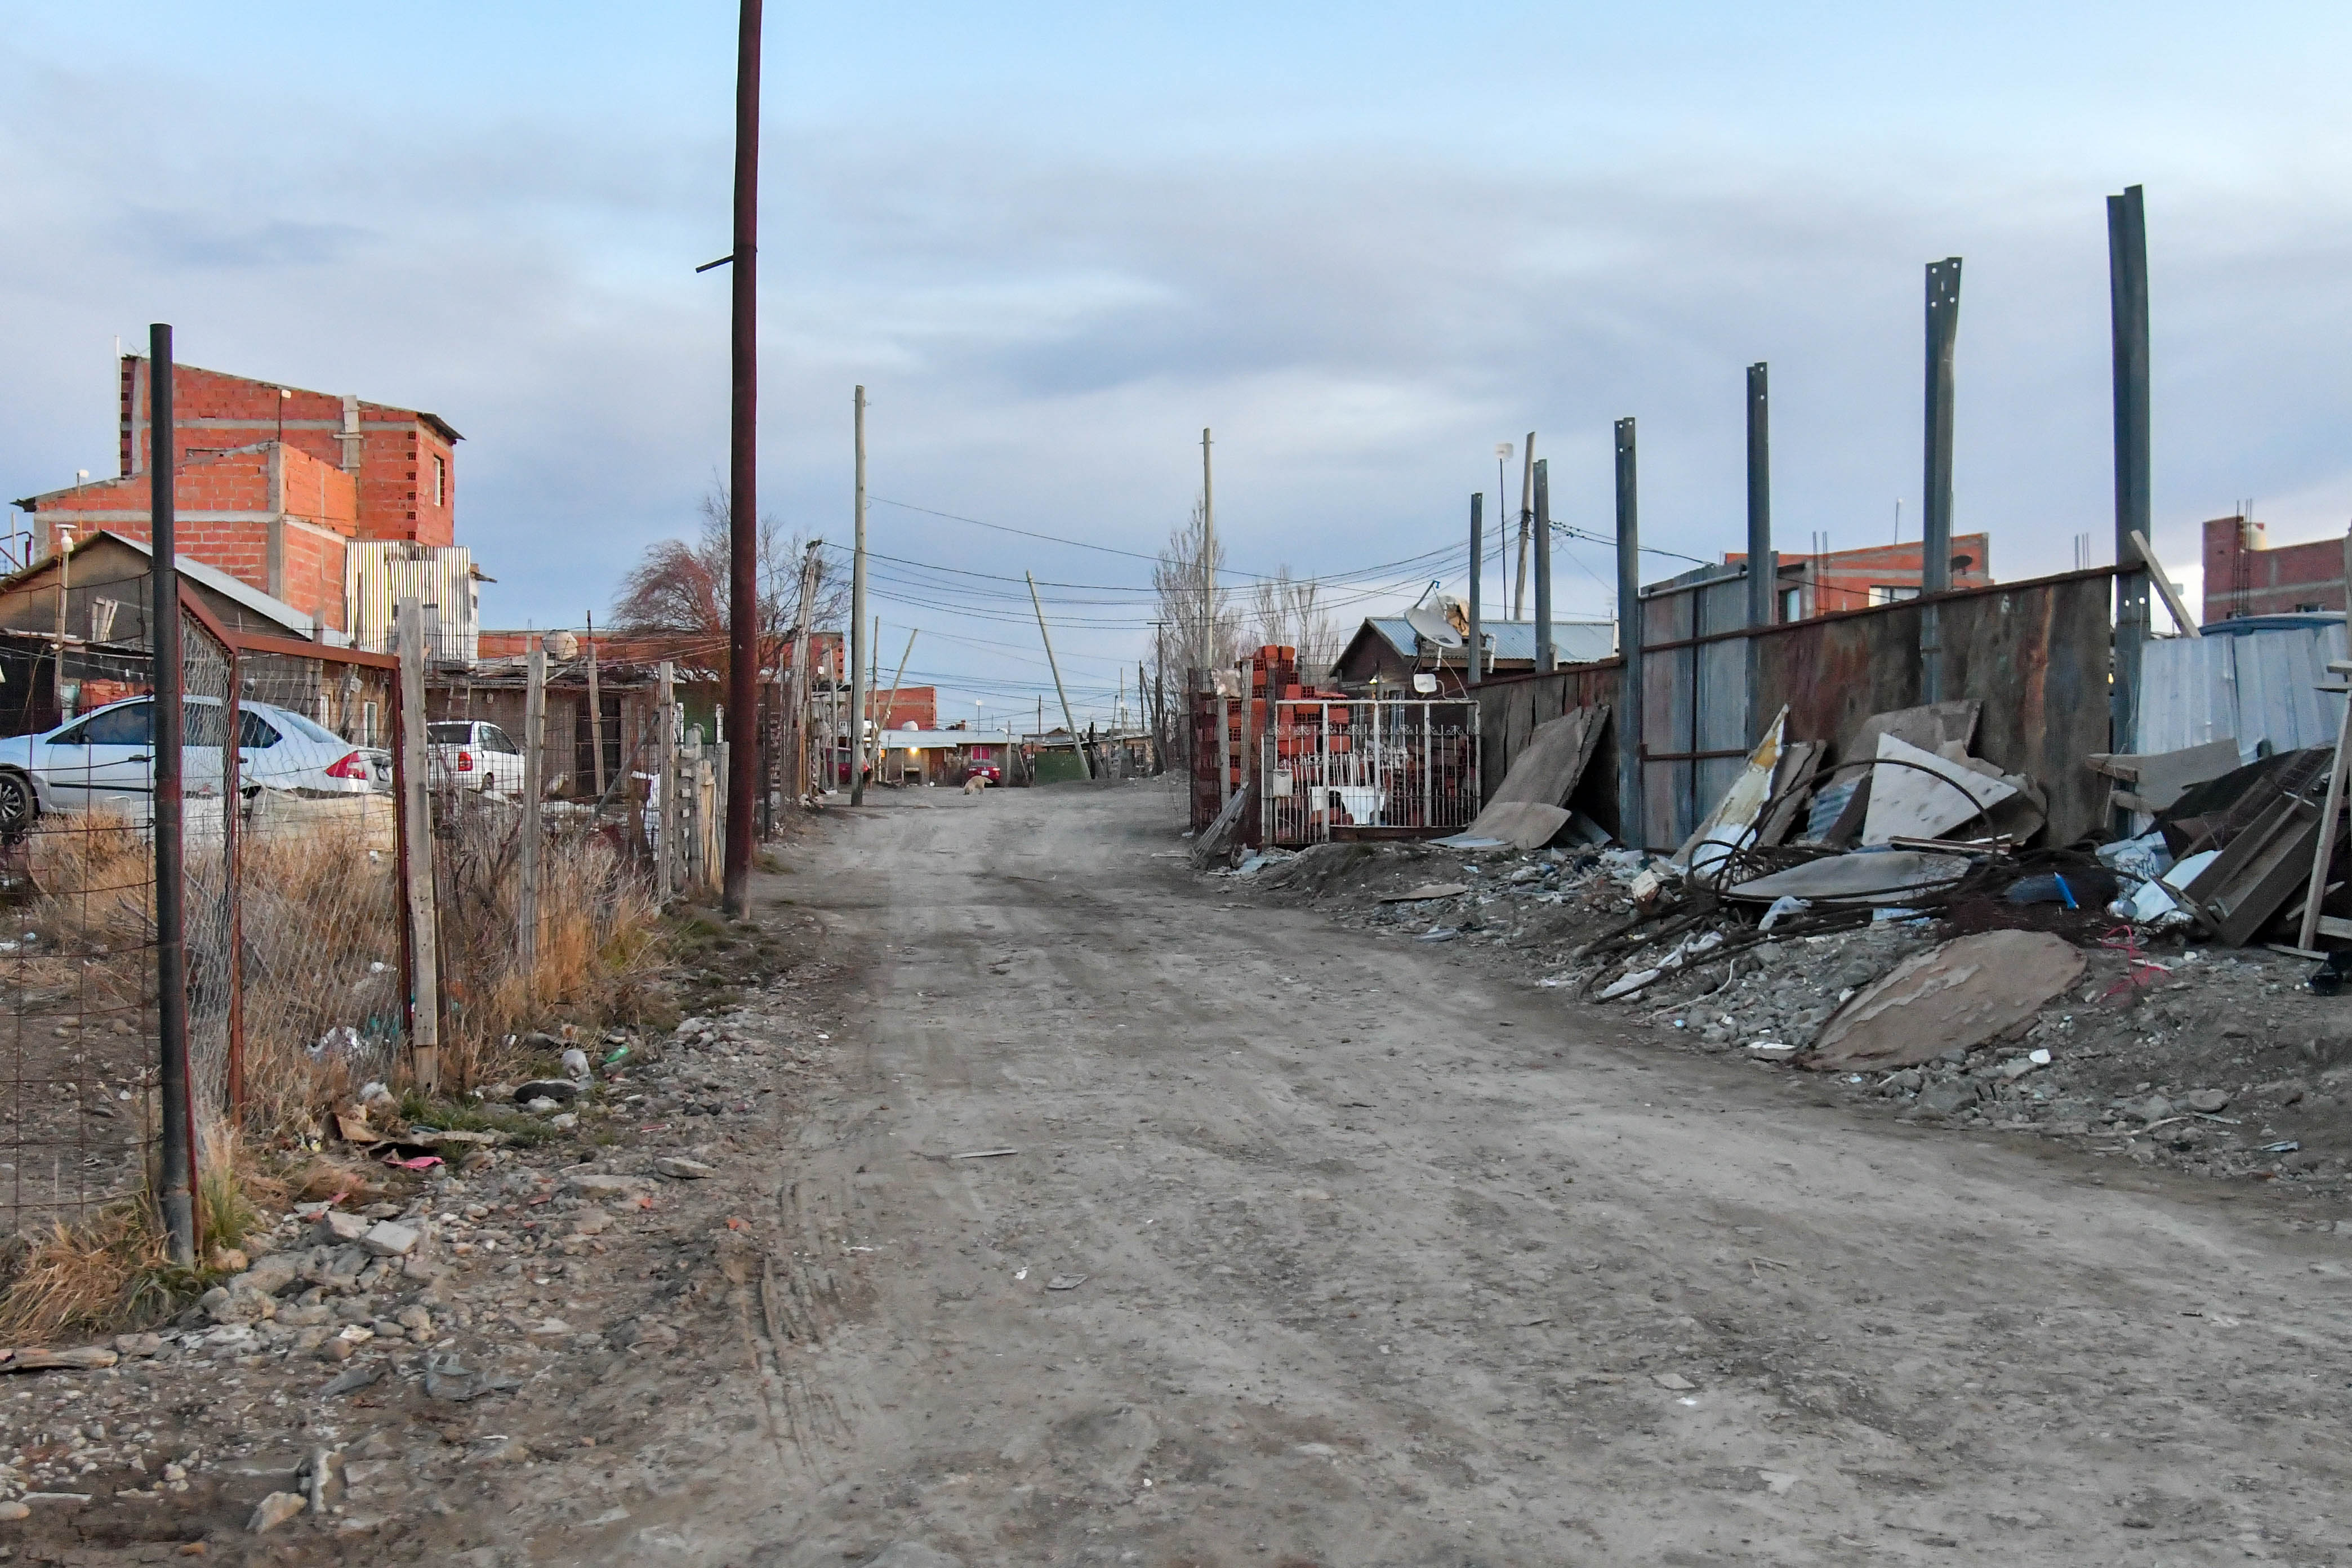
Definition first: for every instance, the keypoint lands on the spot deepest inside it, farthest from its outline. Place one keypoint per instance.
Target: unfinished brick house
(2245, 574)
(303, 495)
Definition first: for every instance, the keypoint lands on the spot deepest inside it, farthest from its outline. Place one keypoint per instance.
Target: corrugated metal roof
(2253, 684)
(1574, 642)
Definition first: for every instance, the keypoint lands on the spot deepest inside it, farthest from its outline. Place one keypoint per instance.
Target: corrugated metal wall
(379, 574)
(2256, 687)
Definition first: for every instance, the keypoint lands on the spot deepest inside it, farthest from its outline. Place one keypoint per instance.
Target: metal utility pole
(1527, 525)
(1069, 722)
(2127, 307)
(171, 931)
(1546, 657)
(1763, 565)
(1478, 553)
(1935, 486)
(860, 653)
(1630, 827)
(743, 470)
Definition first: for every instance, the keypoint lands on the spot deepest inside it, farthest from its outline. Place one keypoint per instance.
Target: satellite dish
(1432, 626)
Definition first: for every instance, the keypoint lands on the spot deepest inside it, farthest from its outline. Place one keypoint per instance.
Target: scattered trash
(984, 1154)
(1785, 904)
(1438, 934)
(2327, 980)
(2284, 1146)
(1771, 1051)
(1067, 1282)
(1862, 877)
(1527, 809)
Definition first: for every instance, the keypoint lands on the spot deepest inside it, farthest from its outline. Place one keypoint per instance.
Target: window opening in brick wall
(440, 480)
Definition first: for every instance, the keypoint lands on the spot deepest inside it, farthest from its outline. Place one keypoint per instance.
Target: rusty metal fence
(1369, 770)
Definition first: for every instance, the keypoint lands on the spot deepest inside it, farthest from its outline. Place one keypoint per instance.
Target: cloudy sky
(1364, 242)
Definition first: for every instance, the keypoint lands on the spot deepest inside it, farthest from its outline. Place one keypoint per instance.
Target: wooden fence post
(666, 765)
(416, 853)
(534, 744)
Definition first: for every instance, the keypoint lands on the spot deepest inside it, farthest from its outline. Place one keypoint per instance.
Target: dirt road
(1379, 1263)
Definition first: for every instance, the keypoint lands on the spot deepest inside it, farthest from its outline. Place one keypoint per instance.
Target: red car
(988, 771)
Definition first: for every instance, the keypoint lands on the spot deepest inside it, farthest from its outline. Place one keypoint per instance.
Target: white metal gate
(1347, 769)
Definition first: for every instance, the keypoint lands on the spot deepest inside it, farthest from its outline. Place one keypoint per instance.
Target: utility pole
(64, 590)
(665, 750)
(1069, 722)
(743, 470)
(595, 713)
(1632, 819)
(885, 716)
(1527, 525)
(860, 652)
(1208, 558)
(803, 700)
(1763, 565)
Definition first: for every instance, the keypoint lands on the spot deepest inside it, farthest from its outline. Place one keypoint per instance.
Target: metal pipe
(1763, 565)
(1936, 482)
(1546, 657)
(743, 472)
(170, 930)
(1630, 829)
(1477, 551)
(2127, 309)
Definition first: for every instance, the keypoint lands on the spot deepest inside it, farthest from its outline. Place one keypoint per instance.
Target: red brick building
(2245, 575)
(274, 483)
(1874, 574)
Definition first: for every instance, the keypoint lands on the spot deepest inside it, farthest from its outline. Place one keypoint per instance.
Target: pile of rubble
(2119, 994)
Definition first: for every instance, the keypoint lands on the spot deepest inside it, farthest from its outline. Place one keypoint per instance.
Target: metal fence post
(1936, 482)
(1631, 826)
(2127, 309)
(1763, 564)
(178, 1203)
(416, 853)
(534, 741)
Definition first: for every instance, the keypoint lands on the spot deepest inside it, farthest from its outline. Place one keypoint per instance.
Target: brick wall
(396, 452)
(2243, 576)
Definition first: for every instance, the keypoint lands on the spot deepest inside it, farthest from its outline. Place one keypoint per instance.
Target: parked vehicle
(989, 773)
(105, 759)
(469, 753)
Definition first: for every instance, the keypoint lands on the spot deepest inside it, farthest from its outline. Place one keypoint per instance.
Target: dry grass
(102, 1276)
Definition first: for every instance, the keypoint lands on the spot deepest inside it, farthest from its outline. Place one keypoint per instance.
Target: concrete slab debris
(1426, 891)
(1955, 996)
(1731, 826)
(1925, 794)
(1928, 728)
(2155, 782)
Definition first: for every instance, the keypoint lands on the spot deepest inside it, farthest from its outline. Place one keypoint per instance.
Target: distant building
(1387, 649)
(1856, 579)
(2245, 574)
(320, 500)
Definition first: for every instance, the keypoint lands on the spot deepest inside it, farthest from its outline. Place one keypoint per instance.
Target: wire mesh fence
(317, 879)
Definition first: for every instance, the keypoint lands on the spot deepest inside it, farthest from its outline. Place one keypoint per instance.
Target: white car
(469, 753)
(106, 760)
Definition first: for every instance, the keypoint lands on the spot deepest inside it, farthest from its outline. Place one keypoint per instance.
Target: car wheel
(18, 805)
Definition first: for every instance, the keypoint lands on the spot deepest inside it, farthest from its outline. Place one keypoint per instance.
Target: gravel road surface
(1310, 1247)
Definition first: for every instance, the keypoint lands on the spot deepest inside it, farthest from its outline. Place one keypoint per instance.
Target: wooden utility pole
(861, 652)
(1526, 526)
(801, 695)
(595, 714)
(1068, 721)
(534, 751)
(417, 851)
(743, 463)
(665, 763)
(892, 700)
(1208, 558)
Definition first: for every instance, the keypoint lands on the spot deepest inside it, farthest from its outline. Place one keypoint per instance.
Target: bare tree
(1203, 630)
(679, 589)
(1288, 615)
